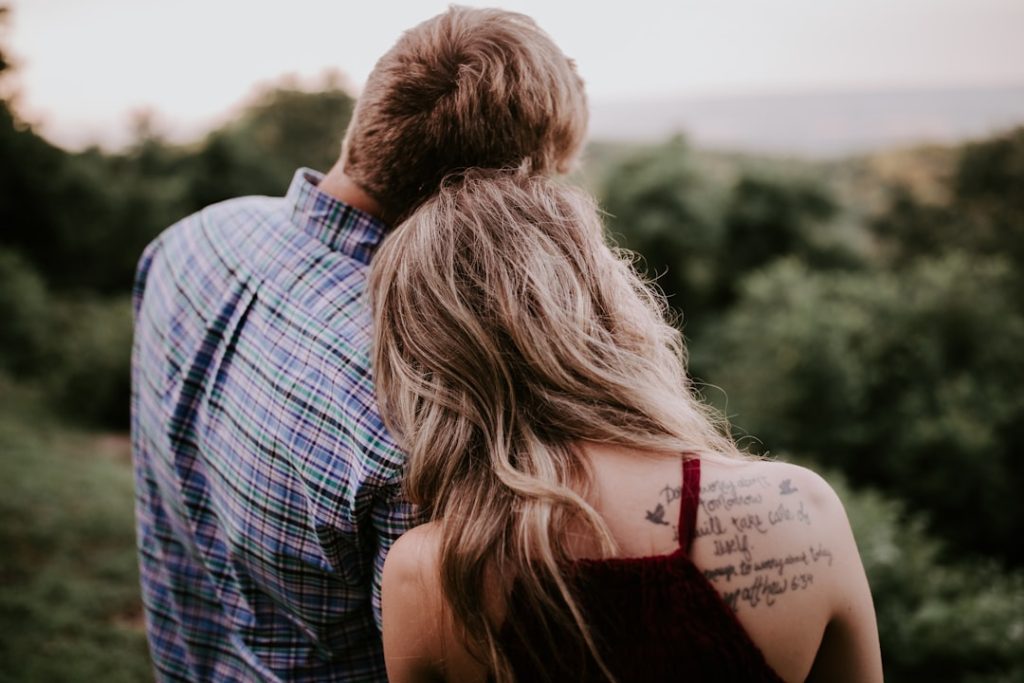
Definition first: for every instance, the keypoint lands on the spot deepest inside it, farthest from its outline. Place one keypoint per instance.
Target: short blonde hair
(467, 88)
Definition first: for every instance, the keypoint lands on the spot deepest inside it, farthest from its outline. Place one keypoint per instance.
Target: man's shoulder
(251, 210)
(257, 205)
(219, 231)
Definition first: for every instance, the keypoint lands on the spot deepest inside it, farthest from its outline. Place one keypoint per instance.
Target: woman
(588, 519)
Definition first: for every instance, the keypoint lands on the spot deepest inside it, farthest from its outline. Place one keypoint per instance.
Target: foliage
(937, 621)
(83, 219)
(23, 299)
(700, 234)
(69, 601)
(661, 207)
(288, 127)
(281, 130)
(88, 381)
(75, 349)
(982, 212)
(909, 382)
(767, 218)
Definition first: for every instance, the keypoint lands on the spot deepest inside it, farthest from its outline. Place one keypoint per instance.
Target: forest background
(863, 315)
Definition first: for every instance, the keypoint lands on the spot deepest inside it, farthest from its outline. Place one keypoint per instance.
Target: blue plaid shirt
(267, 487)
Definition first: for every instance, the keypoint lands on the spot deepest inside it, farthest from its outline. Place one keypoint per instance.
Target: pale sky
(84, 65)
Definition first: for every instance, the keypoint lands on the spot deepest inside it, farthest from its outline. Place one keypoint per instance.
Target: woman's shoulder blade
(771, 538)
(767, 520)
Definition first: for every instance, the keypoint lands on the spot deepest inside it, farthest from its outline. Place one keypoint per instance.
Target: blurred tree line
(886, 346)
(892, 350)
(74, 225)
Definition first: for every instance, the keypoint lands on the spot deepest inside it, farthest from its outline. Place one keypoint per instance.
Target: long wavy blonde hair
(508, 331)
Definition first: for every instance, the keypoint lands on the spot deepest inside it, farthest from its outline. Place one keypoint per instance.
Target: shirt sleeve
(142, 274)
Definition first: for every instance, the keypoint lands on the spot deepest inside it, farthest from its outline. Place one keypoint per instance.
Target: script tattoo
(735, 516)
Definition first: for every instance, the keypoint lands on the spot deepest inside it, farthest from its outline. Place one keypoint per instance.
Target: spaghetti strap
(689, 501)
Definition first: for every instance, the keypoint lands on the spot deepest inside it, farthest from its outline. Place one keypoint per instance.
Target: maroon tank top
(653, 619)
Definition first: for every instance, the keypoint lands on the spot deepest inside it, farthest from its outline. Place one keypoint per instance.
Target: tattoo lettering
(749, 522)
(752, 578)
(712, 526)
(722, 495)
(761, 582)
(821, 552)
(672, 494)
(801, 515)
(739, 543)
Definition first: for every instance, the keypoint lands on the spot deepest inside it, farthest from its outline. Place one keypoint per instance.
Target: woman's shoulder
(774, 541)
(768, 520)
(714, 467)
(421, 641)
(788, 497)
(414, 556)
(411, 606)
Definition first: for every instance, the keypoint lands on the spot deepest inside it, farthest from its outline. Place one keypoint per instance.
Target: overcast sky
(84, 65)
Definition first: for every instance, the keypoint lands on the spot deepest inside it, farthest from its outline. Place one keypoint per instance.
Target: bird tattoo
(657, 516)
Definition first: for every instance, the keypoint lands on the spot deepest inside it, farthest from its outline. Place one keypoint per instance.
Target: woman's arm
(849, 648)
(777, 525)
(412, 609)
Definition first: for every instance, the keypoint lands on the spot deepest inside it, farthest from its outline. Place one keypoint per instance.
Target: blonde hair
(467, 88)
(507, 332)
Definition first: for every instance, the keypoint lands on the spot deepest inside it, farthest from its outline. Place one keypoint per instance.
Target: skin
(338, 185)
(773, 540)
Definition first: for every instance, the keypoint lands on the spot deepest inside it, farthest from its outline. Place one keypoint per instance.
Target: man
(268, 491)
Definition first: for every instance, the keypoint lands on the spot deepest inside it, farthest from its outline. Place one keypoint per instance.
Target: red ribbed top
(653, 618)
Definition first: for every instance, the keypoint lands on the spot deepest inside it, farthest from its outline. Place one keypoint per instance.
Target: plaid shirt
(267, 487)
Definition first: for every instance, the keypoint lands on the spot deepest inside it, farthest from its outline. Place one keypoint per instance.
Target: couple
(437, 322)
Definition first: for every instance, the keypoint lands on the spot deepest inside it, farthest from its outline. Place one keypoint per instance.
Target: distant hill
(815, 124)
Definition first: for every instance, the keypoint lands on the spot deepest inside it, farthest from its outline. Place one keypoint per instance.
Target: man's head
(467, 88)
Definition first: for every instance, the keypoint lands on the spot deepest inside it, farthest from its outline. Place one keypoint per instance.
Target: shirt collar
(338, 225)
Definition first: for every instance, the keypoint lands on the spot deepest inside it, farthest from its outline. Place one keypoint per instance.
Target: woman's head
(499, 306)
(507, 333)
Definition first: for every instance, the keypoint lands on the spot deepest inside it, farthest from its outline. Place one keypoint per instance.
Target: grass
(69, 598)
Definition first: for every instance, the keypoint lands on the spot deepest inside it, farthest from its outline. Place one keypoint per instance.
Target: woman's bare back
(773, 540)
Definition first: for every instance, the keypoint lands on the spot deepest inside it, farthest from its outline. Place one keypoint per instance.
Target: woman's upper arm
(849, 649)
(411, 609)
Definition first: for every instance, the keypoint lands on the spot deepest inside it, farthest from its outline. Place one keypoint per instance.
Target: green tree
(700, 232)
(24, 333)
(988, 191)
(88, 381)
(907, 381)
(289, 127)
(660, 206)
(281, 130)
(937, 620)
(767, 218)
(983, 212)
